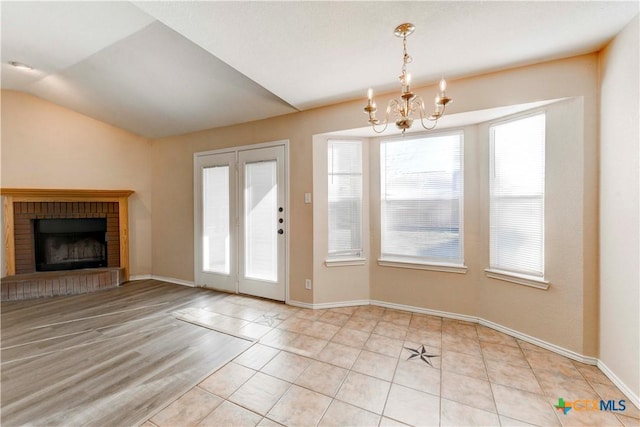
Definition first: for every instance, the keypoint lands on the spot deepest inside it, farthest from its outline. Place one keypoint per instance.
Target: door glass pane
(215, 219)
(260, 215)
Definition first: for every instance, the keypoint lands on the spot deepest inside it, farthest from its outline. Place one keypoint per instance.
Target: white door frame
(197, 232)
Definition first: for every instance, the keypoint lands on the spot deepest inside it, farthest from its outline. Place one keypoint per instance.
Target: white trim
(300, 304)
(540, 343)
(246, 147)
(189, 283)
(520, 279)
(335, 262)
(433, 266)
(634, 398)
(327, 305)
(173, 280)
(428, 311)
(287, 221)
(140, 277)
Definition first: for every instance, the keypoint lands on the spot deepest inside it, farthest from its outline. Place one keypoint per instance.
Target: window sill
(520, 279)
(447, 268)
(345, 262)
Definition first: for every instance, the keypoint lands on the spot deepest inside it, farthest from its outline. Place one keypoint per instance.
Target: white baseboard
(540, 343)
(300, 304)
(191, 284)
(634, 398)
(163, 279)
(327, 305)
(139, 277)
(428, 311)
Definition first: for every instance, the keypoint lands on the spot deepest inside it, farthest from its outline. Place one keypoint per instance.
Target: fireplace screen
(68, 244)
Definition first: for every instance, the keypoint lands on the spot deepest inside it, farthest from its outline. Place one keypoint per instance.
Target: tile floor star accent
(268, 319)
(422, 354)
(372, 366)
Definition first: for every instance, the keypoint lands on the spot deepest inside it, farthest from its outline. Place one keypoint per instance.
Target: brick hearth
(57, 283)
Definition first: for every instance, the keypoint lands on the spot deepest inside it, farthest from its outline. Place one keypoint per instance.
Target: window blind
(345, 198)
(421, 199)
(215, 219)
(517, 196)
(260, 220)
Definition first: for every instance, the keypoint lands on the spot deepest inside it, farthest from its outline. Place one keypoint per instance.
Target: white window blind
(421, 199)
(517, 196)
(345, 198)
(215, 219)
(260, 219)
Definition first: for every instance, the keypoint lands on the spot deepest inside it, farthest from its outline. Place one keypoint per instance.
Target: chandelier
(409, 104)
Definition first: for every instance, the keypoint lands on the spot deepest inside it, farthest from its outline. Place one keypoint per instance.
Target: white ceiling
(165, 68)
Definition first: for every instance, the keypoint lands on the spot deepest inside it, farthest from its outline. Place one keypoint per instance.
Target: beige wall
(525, 309)
(569, 241)
(530, 311)
(570, 215)
(47, 146)
(337, 283)
(620, 208)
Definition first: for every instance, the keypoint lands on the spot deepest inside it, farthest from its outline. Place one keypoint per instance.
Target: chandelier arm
(373, 126)
(435, 123)
(444, 108)
(386, 119)
(380, 131)
(420, 104)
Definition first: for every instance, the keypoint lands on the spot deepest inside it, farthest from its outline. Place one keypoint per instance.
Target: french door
(240, 220)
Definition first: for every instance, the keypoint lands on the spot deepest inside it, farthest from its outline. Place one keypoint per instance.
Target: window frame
(417, 262)
(331, 260)
(495, 272)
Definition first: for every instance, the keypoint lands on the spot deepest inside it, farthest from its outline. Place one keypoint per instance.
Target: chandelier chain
(405, 59)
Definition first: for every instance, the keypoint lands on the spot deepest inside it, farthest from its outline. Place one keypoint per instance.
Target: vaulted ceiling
(165, 68)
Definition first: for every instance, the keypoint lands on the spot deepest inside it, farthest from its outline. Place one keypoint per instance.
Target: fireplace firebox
(70, 243)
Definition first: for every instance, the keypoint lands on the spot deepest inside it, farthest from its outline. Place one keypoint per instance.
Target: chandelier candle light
(408, 103)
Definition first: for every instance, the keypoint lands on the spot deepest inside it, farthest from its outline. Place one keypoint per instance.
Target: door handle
(281, 231)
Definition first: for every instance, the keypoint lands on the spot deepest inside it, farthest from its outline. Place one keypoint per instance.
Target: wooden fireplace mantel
(12, 195)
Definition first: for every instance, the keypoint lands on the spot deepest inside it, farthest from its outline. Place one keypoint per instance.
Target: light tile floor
(370, 366)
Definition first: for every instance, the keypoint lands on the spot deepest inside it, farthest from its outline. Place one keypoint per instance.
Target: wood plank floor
(112, 357)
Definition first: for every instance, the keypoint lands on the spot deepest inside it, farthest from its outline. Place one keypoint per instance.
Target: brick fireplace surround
(22, 206)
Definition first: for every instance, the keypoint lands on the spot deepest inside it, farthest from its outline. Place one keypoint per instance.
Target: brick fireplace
(25, 213)
(29, 211)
